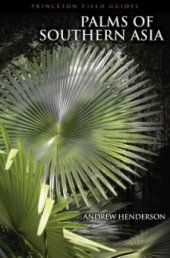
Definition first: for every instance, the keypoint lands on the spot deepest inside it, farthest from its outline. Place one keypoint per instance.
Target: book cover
(84, 129)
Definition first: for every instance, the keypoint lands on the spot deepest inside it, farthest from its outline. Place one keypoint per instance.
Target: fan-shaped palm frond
(152, 243)
(83, 112)
(20, 193)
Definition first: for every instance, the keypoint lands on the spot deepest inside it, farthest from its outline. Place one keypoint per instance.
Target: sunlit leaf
(45, 216)
(11, 156)
(43, 197)
(79, 240)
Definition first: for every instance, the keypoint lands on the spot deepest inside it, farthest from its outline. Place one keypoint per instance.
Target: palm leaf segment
(82, 112)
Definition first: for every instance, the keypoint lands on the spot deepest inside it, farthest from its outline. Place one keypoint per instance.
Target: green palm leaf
(151, 243)
(22, 197)
(83, 113)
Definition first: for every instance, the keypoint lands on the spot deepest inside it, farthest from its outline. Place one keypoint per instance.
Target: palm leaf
(83, 113)
(22, 197)
(151, 243)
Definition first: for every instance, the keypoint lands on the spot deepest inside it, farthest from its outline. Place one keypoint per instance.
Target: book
(84, 137)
